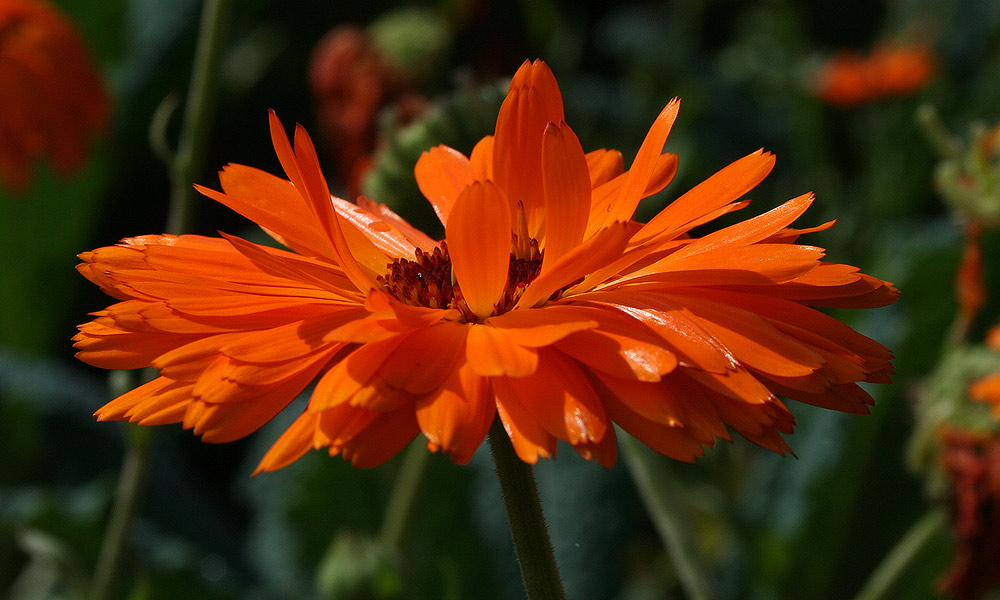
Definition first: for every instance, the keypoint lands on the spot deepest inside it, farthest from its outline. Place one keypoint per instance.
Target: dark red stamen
(427, 280)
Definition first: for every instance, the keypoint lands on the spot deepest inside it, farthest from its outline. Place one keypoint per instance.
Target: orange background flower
(850, 79)
(52, 99)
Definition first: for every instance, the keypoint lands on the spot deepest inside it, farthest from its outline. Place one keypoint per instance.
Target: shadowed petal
(562, 401)
(456, 418)
(530, 440)
(442, 173)
(490, 352)
(579, 262)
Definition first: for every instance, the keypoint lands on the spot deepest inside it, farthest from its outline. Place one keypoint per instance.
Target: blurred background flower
(849, 78)
(52, 98)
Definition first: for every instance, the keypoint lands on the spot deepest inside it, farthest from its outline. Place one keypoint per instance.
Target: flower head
(987, 389)
(850, 79)
(51, 97)
(352, 82)
(971, 462)
(546, 306)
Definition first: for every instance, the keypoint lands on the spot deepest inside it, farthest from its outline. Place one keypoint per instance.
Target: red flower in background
(351, 83)
(850, 79)
(972, 463)
(52, 99)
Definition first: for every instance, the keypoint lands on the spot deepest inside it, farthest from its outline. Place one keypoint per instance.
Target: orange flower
(970, 288)
(849, 79)
(987, 389)
(351, 83)
(51, 97)
(546, 306)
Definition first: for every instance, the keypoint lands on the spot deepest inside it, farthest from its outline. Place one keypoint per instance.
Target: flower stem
(180, 219)
(524, 515)
(895, 565)
(659, 492)
(138, 445)
(403, 496)
(197, 110)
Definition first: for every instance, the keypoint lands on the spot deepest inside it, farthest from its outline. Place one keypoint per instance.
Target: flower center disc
(428, 280)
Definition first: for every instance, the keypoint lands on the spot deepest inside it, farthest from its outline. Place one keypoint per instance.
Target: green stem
(661, 494)
(138, 443)
(402, 499)
(195, 128)
(896, 564)
(180, 218)
(527, 524)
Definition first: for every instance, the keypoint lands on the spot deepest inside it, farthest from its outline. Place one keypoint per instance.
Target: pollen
(428, 281)
(425, 281)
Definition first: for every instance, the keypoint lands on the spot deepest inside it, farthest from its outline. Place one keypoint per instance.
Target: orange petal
(757, 264)
(347, 377)
(490, 352)
(530, 440)
(677, 327)
(162, 392)
(643, 167)
(585, 259)
(755, 342)
(287, 342)
(722, 188)
(296, 270)
(293, 443)
(561, 399)
(604, 165)
(532, 102)
(302, 167)
(240, 412)
(609, 192)
(651, 402)
(383, 235)
(425, 359)
(383, 439)
(479, 236)
(111, 348)
(620, 347)
(442, 173)
(604, 452)
(457, 417)
(813, 327)
(407, 315)
(543, 326)
(481, 159)
(846, 397)
(738, 384)
(752, 230)
(566, 185)
(416, 238)
(671, 441)
(274, 204)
